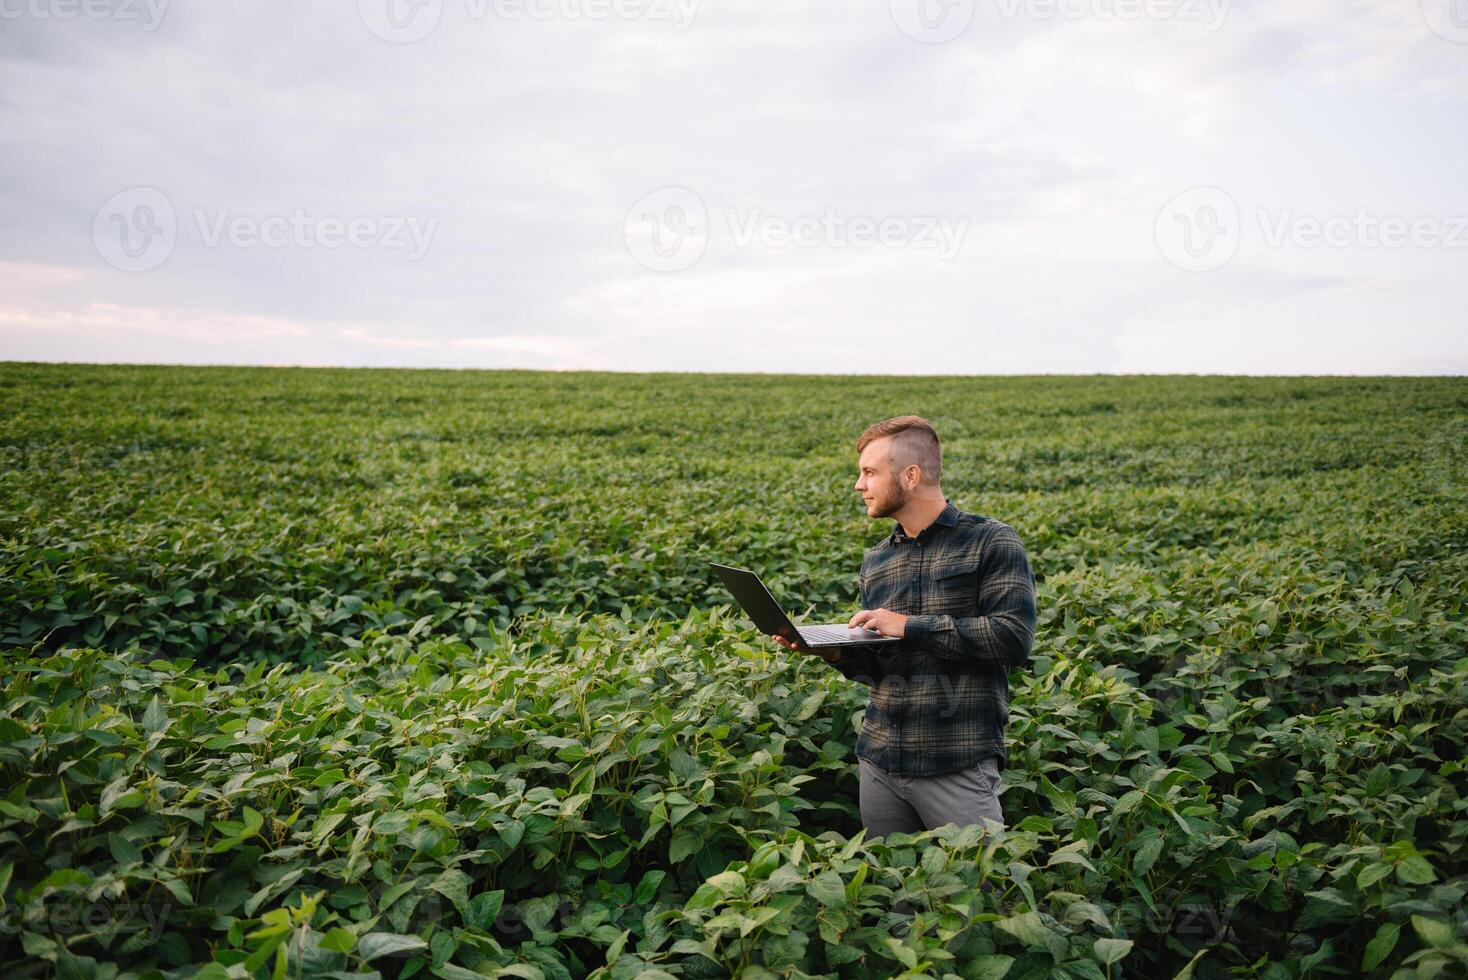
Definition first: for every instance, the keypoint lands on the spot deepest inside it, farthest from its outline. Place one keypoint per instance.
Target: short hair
(914, 441)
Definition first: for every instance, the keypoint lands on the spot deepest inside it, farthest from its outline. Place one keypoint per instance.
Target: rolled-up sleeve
(1003, 631)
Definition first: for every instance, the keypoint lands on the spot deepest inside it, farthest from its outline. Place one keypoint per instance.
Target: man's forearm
(1001, 640)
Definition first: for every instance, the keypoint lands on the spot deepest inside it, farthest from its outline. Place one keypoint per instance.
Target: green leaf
(1112, 950)
(728, 882)
(1127, 803)
(484, 908)
(376, 944)
(1325, 907)
(904, 953)
(706, 896)
(1415, 871)
(179, 889)
(339, 941)
(63, 878)
(1079, 912)
(992, 967)
(512, 833)
(1434, 932)
(620, 943)
(72, 967)
(123, 850)
(395, 892)
(1378, 780)
(329, 777)
(453, 885)
(1310, 961)
(1066, 856)
(155, 719)
(647, 888)
(1381, 945)
(1028, 928)
(1147, 853)
(21, 811)
(1186, 973)
(119, 796)
(684, 766)
(37, 945)
(809, 706)
(1371, 874)
(442, 946)
(684, 843)
(828, 889)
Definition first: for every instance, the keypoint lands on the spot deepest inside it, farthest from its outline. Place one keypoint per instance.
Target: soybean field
(384, 673)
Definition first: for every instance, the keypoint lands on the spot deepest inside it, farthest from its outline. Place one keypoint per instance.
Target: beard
(892, 503)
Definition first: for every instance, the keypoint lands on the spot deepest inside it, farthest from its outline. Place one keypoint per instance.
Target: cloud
(139, 323)
(1056, 138)
(554, 349)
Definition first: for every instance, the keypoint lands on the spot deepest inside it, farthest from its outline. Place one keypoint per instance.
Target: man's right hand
(831, 655)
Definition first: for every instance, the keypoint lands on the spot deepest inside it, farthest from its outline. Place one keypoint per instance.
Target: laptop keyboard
(825, 634)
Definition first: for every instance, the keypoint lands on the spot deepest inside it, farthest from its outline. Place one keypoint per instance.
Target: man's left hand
(884, 621)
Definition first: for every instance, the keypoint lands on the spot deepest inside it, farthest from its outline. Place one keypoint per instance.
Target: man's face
(877, 484)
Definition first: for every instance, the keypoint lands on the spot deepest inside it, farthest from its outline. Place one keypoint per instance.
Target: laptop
(761, 607)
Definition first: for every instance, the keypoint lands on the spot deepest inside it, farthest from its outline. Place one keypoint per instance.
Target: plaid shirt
(940, 698)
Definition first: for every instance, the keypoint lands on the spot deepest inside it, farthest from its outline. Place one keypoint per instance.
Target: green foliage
(395, 674)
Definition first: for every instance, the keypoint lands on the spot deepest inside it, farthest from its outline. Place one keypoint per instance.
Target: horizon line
(673, 371)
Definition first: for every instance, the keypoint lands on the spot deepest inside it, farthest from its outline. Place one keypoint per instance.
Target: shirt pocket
(955, 589)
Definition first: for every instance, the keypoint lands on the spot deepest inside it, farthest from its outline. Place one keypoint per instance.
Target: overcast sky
(913, 186)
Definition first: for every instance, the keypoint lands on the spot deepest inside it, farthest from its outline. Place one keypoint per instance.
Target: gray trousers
(909, 804)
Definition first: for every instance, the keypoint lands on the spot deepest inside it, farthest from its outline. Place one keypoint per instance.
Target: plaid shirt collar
(948, 518)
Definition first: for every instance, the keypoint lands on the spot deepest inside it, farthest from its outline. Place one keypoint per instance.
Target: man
(958, 589)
